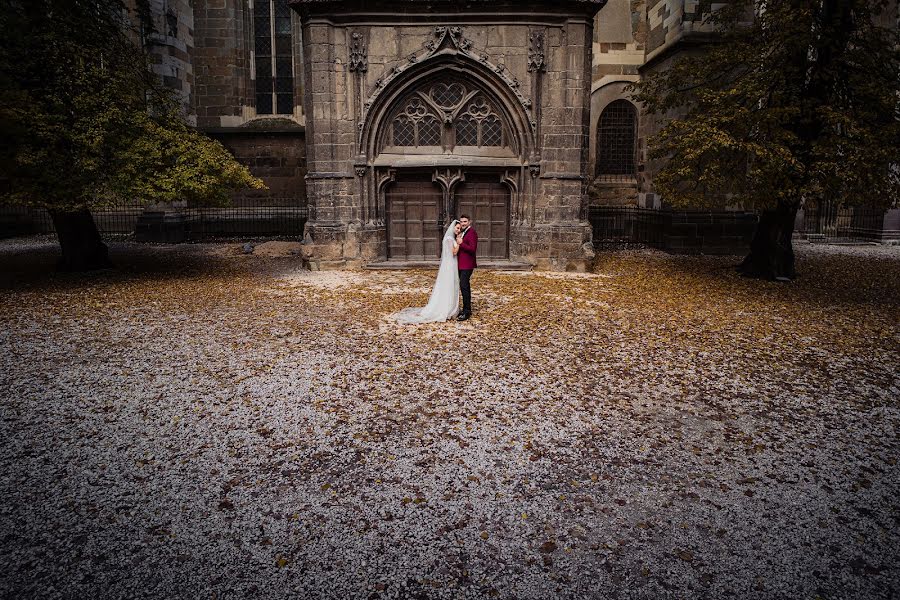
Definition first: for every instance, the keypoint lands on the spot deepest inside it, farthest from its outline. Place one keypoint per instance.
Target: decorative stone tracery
(359, 60)
(450, 39)
(447, 115)
(536, 52)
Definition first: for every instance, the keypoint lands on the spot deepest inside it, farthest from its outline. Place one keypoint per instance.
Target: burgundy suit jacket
(466, 255)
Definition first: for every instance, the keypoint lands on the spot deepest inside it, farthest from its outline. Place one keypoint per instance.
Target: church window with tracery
(447, 115)
(467, 131)
(481, 126)
(416, 125)
(273, 57)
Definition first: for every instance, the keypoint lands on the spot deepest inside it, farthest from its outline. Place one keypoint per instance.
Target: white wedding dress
(444, 301)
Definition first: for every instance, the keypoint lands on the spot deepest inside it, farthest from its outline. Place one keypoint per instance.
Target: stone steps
(492, 265)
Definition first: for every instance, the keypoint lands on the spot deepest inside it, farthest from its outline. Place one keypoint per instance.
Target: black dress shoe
(463, 316)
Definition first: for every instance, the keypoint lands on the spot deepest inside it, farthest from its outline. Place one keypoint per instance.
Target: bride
(444, 301)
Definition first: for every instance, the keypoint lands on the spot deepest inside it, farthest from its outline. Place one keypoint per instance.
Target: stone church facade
(379, 120)
(445, 109)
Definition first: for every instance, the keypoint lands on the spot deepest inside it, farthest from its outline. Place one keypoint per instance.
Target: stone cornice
(433, 2)
(289, 128)
(399, 7)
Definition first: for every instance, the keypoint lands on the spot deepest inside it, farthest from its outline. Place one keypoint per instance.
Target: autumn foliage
(87, 125)
(787, 102)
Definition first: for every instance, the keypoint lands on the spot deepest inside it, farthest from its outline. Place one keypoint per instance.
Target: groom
(468, 244)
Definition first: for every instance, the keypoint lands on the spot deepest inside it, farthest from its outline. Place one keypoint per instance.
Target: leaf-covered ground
(205, 424)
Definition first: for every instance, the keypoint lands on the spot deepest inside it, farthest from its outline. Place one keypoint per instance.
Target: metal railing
(197, 223)
(707, 232)
(831, 222)
(618, 226)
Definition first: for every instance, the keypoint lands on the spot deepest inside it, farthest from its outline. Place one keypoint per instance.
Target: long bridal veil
(444, 301)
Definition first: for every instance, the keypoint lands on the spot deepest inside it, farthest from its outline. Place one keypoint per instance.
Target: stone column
(337, 234)
(330, 183)
(559, 236)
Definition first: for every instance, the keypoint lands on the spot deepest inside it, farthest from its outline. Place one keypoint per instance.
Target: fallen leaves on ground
(577, 435)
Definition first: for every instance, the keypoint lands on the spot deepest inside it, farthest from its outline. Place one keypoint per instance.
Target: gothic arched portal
(453, 147)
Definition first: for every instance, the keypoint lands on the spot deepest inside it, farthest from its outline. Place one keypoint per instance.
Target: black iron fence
(718, 232)
(178, 225)
(831, 222)
(692, 232)
(616, 226)
(686, 231)
(118, 220)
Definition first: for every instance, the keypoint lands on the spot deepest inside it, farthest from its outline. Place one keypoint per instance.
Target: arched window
(616, 135)
(416, 125)
(273, 57)
(479, 125)
(447, 115)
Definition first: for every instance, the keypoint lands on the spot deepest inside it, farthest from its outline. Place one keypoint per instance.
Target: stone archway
(452, 128)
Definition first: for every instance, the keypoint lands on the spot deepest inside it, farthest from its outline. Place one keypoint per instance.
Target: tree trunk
(80, 242)
(771, 251)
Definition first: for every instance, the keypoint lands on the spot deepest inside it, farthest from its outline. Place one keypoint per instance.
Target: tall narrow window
(616, 134)
(274, 57)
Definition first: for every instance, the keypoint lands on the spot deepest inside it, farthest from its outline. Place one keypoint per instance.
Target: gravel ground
(203, 424)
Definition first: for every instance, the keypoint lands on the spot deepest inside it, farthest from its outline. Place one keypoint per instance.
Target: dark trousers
(465, 275)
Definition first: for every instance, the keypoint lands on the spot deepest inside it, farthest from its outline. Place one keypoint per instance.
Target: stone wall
(611, 193)
(222, 70)
(277, 157)
(173, 44)
(620, 37)
(669, 22)
(166, 29)
(225, 85)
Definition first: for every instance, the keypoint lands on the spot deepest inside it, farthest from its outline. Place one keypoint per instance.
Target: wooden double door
(419, 211)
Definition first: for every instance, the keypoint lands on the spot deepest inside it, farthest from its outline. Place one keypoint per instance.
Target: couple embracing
(454, 275)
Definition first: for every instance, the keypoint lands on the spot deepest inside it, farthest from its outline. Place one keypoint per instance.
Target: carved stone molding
(536, 52)
(361, 170)
(450, 38)
(448, 178)
(446, 36)
(359, 59)
(510, 178)
(386, 177)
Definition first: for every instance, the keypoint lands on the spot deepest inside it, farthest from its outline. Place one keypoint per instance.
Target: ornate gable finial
(359, 60)
(445, 36)
(536, 52)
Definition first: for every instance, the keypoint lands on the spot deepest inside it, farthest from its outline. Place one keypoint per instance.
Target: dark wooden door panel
(488, 205)
(413, 209)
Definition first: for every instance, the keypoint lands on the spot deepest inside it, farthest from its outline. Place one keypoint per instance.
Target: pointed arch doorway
(447, 148)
